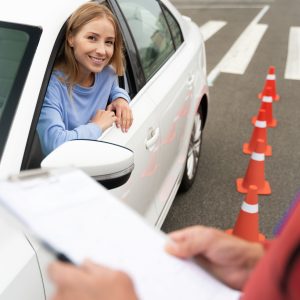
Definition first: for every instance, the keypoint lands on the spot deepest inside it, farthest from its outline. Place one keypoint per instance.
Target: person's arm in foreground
(90, 282)
(228, 258)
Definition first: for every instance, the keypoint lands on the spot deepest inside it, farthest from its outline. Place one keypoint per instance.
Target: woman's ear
(70, 41)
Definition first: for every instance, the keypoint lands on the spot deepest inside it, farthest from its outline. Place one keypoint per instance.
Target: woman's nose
(100, 48)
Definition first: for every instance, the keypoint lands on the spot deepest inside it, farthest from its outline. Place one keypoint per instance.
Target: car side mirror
(109, 164)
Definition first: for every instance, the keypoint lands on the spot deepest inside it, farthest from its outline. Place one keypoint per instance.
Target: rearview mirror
(109, 164)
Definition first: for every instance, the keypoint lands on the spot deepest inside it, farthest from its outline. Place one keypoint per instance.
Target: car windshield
(17, 47)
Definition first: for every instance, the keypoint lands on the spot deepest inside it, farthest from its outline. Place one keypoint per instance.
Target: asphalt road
(214, 200)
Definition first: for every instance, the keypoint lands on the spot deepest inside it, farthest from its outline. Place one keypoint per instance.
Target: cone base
(261, 237)
(272, 124)
(246, 150)
(266, 190)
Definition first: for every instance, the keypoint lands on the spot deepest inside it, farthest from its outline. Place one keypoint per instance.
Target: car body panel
(145, 174)
(14, 283)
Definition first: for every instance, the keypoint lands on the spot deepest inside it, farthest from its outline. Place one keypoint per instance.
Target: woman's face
(93, 45)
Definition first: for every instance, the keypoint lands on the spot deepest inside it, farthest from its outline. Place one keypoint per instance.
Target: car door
(173, 94)
(169, 76)
(144, 139)
(144, 135)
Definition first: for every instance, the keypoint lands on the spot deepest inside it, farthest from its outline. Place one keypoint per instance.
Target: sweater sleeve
(117, 92)
(51, 127)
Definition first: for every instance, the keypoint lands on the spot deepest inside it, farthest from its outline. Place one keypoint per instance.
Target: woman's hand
(104, 119)
(123, 112)
(228, 258)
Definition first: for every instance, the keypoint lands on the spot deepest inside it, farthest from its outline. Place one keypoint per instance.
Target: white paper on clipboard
(79, 218)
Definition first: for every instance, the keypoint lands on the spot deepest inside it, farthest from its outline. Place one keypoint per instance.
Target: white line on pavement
(239, 55)
(220, 6)
(210, 28)
(292, 68)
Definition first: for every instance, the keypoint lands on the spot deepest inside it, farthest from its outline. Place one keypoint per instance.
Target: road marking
(292, 68)
(236, 60)
(210, 28)
(199, 6)
(240, 54)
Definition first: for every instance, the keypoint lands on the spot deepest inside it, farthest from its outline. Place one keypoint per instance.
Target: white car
(166, 79)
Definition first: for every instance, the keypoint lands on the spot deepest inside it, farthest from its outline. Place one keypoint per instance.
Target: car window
(174, 27)
(150, 32)
(12, 45)
(17, 47)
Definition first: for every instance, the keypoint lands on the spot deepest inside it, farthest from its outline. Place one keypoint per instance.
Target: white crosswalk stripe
(292, 69)
(210, 28)
(237, 59)
(240, 54)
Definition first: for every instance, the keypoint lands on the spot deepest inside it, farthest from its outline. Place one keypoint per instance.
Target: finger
(88, 265)
(60, 295)
(92, 268)
(127, 120)
(188, 242)
(124, 120)
(119, 116)
(131, 119)
(63, 274)
(109, 107)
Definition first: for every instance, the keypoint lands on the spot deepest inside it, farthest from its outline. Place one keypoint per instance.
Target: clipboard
(75, 218)
(9, 214)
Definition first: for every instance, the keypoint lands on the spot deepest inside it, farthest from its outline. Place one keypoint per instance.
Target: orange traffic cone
(270, 82)
(255, 174)
(267, 105)
(259, 132)
(246, 225)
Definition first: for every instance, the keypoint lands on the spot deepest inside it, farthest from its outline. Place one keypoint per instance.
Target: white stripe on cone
(267, 99)
(260, 124)
(271, 77)
(250, 208)
(258, 156)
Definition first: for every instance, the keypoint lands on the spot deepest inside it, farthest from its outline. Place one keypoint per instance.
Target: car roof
(38, 12)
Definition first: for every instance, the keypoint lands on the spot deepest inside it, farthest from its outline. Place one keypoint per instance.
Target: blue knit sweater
(63, 119)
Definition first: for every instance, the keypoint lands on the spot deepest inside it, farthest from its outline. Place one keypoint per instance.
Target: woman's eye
(110, 43)
(91, 37)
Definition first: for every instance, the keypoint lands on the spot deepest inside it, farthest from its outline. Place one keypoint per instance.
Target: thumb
(188, 242)
(62, 274)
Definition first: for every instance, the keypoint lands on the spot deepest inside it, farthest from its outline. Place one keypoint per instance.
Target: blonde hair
(87, 12)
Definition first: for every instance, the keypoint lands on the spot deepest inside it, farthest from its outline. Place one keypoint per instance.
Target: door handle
(152, 139)
(190, 80)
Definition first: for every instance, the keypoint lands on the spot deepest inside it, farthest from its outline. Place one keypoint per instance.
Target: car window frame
(34, 34)
(164, 10)
(129, 38)
(42, 93)
(134, 69)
